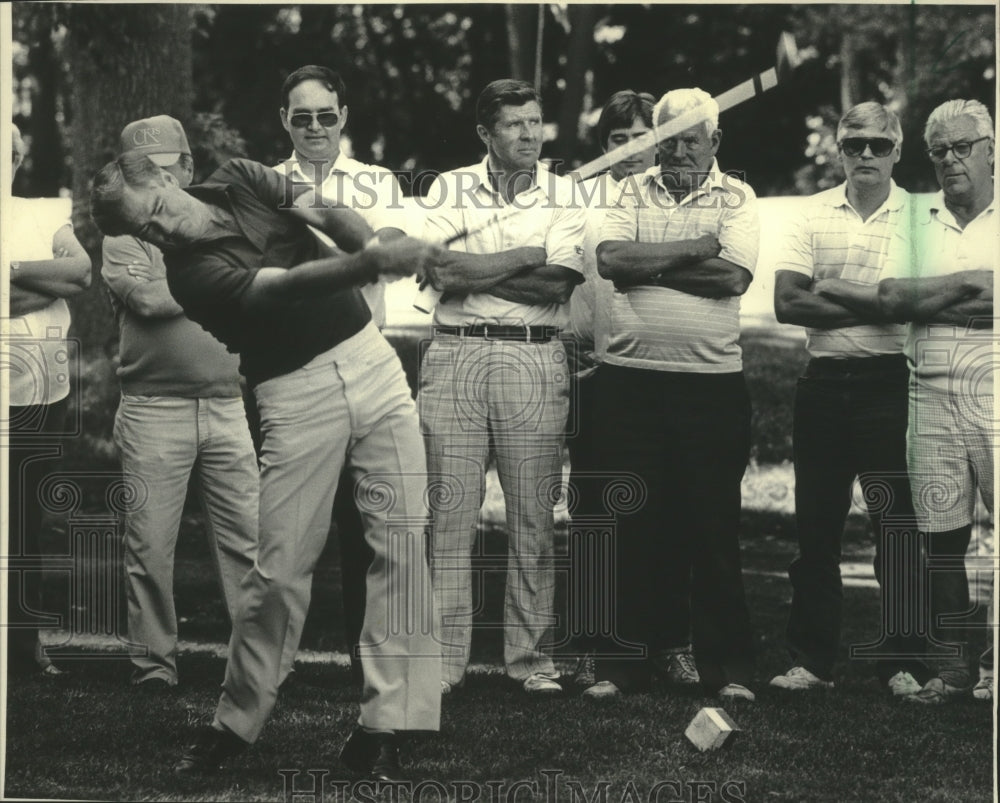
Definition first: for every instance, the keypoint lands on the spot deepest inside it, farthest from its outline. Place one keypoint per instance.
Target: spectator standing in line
(494, 378)
(626, 117)
(850, 407)
(47, 266)
(314, 113)
(680, 248)
(181, 412)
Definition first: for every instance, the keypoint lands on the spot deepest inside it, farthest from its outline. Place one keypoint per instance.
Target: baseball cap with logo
(161, 138)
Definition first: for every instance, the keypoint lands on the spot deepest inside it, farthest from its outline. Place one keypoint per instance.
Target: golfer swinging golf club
(330, 390)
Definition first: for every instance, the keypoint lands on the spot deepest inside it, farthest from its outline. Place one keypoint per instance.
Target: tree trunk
(46, 144)
(522, 24)
(579, 56)
(125, 62)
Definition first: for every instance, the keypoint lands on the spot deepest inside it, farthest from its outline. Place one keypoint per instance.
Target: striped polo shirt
(829, 240)
(662, 329)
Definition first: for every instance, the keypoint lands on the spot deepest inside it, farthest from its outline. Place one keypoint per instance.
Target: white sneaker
(541, 683)
(983, 690)
(736, 691)
(798, 678)
(903, 684)
(677, 666)
(602, 690)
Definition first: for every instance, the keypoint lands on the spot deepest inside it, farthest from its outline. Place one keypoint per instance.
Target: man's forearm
(922, 299)
(23, 301)
(861, 299)
(277, 286)
(461, 274)
(549, 284)
(60, 277)
(631, 263)
(974, 313)
(709, 278)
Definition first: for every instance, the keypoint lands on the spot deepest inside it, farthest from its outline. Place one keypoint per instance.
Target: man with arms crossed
(242, 262)
(948, 302)
(495, 371)
(680, 246)
(850, 405)
(314, 113)
(181, 410)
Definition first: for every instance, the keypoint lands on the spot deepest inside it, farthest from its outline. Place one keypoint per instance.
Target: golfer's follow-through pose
(329, 388)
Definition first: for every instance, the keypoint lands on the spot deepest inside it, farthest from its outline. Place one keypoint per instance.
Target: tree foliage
(413, 72)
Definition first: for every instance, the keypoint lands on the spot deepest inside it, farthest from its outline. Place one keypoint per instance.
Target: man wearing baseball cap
(181, 411)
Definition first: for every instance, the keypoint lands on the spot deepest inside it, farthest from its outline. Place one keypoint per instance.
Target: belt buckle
(486, 331)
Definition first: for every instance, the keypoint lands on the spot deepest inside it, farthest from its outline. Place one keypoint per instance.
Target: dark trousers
(355, 558)
(34, 453)
(686, 438)
(850, 421)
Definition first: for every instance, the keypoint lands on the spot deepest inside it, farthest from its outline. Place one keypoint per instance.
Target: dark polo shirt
(209, 279)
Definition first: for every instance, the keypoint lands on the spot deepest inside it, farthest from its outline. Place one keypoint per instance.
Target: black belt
(490, 331)
(854, 366)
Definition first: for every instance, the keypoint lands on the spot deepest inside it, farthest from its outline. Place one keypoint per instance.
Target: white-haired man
(948, 302)
(850, 406)
(680, 246)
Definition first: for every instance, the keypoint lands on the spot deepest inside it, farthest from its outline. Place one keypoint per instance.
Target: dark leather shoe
(211, 749)
(373, 755)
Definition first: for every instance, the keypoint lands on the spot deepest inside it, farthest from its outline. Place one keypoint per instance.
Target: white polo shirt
(549, 217)
(829, 240)
(371, 191)
(946, 357)
(662, 329)
(37, 349)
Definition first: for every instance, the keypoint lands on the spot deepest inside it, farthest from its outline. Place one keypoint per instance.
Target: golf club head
(787, 57)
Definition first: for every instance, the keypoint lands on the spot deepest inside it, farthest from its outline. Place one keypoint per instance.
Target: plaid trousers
(474, 394)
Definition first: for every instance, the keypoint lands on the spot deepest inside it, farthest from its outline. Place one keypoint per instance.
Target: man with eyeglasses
(680, 245)
(314, 112)
(330, 391)
(947, 300)
(494, 378)
(850, 410)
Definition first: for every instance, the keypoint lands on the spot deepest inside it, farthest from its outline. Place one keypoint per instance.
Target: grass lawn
(88, 735)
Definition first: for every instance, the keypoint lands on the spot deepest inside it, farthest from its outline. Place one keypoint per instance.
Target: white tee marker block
(710, 729)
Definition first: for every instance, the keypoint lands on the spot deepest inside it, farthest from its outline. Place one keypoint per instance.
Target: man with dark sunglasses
(314, 112)
(947, 298)
(850, 409)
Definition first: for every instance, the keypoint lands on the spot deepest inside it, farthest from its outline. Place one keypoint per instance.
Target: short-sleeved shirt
(371, 191)
(550, 218)
(590, 304)
(946, 357)
(829, 240)
(209, 279)
(163, 355)
(662, 329)
(38, 351)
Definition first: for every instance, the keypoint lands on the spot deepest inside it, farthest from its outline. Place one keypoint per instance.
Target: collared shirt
(590, 304)
(829, 240)
(371, 191)
(550, 218)
(38, 351)
(164, 355)
(663, 329)
(946, 357)
(209, 279)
